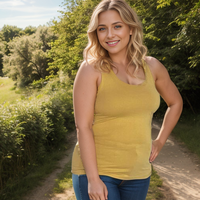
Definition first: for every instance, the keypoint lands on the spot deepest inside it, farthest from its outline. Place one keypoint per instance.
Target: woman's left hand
(155, 150)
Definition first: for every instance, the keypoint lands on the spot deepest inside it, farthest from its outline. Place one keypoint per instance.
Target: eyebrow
(112, 24)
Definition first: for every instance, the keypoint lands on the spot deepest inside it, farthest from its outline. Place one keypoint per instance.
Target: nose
(110, 33)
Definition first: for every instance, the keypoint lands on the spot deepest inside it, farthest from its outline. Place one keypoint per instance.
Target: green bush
(32, 127)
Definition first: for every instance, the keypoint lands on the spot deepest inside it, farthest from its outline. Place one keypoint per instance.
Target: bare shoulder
(87, 72)
(157, 68)
(87, 69)
(84, 94)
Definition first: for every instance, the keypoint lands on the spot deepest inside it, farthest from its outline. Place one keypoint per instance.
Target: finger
(92, 197)
(99, 197)
(153, 156)
(102, 197)
(106, 193)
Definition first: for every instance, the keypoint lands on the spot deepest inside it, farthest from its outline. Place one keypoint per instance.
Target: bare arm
(84, 95)
(173, 99)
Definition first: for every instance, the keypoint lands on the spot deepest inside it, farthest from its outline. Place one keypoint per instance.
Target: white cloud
(31, 2)
(26, 12)
(24, 21)
(11, 3)
(25, 6)
(30, 9)
(28, 17)
(17, 3)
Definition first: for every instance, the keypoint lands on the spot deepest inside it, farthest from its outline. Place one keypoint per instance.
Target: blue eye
(118, 26)
(101, 29)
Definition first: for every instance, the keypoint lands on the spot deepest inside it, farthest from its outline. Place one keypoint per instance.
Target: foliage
(7, 34)
(67, 50)
(31, 128)
(27, 60)
(171, 30)
(1, 63)
(29, 30)
(20, 186)
(188, 131)
(64, 180)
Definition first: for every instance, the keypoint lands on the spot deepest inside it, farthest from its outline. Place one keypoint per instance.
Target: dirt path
(44, 191)
(179, 168)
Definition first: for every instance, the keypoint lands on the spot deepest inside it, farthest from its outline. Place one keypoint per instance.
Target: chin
(113, 52)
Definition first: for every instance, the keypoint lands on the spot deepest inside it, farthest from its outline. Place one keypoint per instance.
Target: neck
(119, 60)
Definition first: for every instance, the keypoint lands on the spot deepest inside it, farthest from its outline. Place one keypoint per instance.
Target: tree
(171, 33)
(28, 60)
(171, 30)
(67, 50)
(7, 34)
(29, 30)
(2, 47)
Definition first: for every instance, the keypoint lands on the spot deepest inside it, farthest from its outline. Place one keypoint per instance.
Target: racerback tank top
(122, 127)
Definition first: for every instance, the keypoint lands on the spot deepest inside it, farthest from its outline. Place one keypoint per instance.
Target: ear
(131, 32)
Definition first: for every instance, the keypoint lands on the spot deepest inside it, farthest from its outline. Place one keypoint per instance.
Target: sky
(23, 13)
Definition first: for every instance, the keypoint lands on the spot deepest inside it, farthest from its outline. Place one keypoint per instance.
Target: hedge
(31, 128)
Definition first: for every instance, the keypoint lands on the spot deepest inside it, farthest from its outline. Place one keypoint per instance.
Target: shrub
(32, 127)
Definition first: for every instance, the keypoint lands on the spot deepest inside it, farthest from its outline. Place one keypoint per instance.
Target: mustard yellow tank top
(122, 127)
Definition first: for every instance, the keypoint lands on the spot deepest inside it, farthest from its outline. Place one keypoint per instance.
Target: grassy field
(7, 91)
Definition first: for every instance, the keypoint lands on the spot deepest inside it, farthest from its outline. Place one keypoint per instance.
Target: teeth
(112, 42)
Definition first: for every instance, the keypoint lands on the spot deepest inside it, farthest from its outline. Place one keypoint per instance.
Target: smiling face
(113, 33)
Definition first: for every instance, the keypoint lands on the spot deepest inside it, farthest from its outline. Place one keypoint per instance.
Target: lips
(113, 43)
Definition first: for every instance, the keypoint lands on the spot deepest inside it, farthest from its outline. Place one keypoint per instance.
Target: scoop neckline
(129, 85)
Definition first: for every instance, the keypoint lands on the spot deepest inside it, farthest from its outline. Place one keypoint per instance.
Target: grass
(7, 91)
(22, 185)
(154, 193)
(188, 131)
(64, 182)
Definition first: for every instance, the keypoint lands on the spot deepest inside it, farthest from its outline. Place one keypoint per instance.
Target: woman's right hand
(97, 190)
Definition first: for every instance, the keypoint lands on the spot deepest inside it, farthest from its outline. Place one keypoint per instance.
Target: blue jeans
(117, 189)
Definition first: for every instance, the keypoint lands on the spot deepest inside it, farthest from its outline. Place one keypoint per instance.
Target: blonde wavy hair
(136, 51)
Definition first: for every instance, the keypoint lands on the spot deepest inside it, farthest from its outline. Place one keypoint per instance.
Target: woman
(116, 91)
